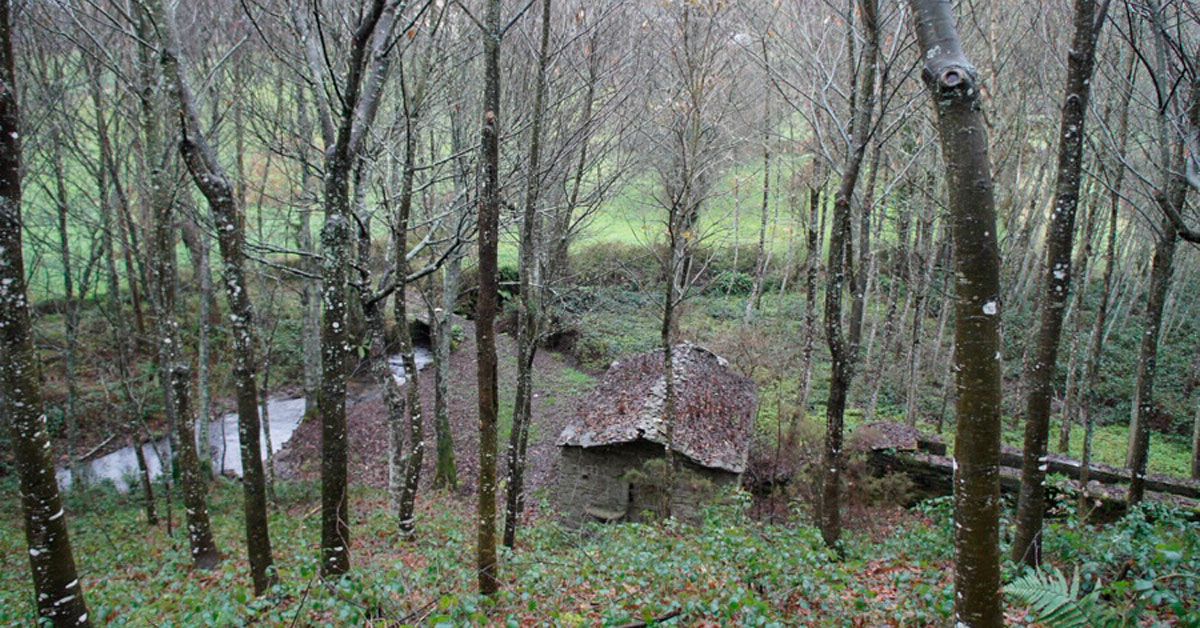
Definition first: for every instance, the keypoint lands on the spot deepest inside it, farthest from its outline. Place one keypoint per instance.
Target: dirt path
(557, 389)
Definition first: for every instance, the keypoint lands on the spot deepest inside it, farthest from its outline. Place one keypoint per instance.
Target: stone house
(618, 429)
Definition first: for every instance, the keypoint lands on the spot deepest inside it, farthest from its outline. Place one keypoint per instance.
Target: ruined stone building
(613, 451)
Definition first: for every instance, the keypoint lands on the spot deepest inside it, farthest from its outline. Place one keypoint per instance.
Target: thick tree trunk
(955, 92)
(1041, 370)
(529, 314)
(488, 301)
(843, 350)
(58, 595)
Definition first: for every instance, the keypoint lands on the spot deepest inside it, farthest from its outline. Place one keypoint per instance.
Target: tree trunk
(1170, 198)
(1074, 316)
(1041, 370)
(911, 409)
(214, 184)
(488, 301)
(1096, 344)
(843, 351)
(310, 293)
(195, 489)
(529, 314)
(264, 416)
(1160, 280)
(811, 269)
(1196, 442)
(58, 595)
(446, 473)
(71, 305)
(415, 426)
(164, 272)
(955, 93)
(760, 259)
(204, 270)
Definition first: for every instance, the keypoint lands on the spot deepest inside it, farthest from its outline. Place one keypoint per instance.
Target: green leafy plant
(1056, 602)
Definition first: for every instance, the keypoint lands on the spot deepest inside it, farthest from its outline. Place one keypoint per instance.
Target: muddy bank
(558, 388)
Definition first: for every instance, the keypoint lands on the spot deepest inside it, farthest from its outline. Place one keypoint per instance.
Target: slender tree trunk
(1075, 322)
(911, 409)
(1160, 280)
(529, 314)
(415, 427)
(310, 293)
(1096, 344)
(955, 93)
(488, 301)
(1196, 441)
(58, 595)
(264, 416)
(122, 340)
(204, 270)
(811, 269)
(760, 258)
(1041, 370)
(1170, 198)
(901, 275)
(214, 184)
(71, 305)
(843, 351)
(446, 474)
(163, 301)
(195, 489)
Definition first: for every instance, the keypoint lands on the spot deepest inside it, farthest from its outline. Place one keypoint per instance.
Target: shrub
(731, 282)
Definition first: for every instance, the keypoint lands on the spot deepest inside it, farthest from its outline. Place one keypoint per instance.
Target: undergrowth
(732, 570)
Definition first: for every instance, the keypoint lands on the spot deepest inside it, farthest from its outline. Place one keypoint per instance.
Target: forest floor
(732, 570)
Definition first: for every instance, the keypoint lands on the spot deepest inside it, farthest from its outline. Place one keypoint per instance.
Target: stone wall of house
(594, 484)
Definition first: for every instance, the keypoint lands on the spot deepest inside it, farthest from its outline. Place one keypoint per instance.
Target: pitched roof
(715, 407)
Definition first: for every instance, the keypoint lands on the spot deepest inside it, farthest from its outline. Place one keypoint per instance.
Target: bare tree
(529, 315)
(212, 181)
(55, 581)
(486, 306)
(843, 347)
(1057, 279)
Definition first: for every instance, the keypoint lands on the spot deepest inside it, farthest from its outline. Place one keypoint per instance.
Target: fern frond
(1054, 600)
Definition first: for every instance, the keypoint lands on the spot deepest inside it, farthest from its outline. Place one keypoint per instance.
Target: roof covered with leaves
(715, 408)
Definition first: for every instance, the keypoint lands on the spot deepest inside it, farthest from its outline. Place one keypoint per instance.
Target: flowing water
(120, 467)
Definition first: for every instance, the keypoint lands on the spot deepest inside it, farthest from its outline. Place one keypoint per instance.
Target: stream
(120, 467)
